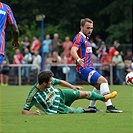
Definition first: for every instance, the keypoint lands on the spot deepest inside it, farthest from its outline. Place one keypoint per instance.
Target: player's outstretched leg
(96, 96)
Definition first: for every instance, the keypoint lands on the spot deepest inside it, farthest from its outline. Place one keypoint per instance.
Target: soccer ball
(129, 78)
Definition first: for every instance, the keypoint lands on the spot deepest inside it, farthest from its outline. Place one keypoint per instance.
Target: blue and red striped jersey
(84, 50)
(5, 15)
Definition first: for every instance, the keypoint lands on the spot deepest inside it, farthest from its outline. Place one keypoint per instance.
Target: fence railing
(19, 70)
(59, 65)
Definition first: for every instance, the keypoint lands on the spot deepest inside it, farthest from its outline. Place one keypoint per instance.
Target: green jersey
(49, 100)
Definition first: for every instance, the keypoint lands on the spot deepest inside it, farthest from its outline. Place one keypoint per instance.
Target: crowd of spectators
(57, 56)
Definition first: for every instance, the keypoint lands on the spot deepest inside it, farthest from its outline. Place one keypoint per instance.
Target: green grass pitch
(12, 99)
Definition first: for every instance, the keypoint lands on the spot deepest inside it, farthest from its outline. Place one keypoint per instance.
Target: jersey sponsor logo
(49, 96)
(2, 12)
(89, 50)
(74, 92)
(86, 42)
(90, 75)
(50, 99)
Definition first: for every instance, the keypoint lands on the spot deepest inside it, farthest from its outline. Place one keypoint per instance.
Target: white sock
(93, 102)
(104, 89)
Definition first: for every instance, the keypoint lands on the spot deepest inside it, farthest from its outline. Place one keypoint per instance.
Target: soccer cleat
(89, 110)
(110, 96)
(97, 110)
(112, 109)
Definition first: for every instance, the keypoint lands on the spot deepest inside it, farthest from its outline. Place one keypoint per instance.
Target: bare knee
(101, 80)
(84, 94)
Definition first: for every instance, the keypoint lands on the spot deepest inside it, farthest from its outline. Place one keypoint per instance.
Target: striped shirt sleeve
(55, 81)
(10, 16)
(77, 40)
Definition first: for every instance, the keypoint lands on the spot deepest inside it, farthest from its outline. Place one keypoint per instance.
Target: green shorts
(67, 97)
(70, 96)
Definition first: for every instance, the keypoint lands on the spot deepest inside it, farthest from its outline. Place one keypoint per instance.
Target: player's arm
(15, 33)
(66, 84)
(75, 55)
(27, 112)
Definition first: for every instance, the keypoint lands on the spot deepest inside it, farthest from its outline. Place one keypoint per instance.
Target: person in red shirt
(105, 61)
(67, 45)
(112, 51)
(72, 71)
(17, 59)
(35, 46)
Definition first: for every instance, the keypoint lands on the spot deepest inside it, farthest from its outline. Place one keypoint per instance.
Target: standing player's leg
(102, 84)
(93, 102)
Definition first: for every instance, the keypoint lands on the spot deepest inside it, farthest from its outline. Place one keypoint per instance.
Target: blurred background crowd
(58, 59)
(111, 39)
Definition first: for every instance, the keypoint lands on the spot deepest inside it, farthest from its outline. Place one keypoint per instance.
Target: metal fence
(20, 71)
(59, 65)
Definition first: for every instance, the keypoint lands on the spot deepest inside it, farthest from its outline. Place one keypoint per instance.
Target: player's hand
(37, 112)
(81, 61)
(78, 88)
(15, 44)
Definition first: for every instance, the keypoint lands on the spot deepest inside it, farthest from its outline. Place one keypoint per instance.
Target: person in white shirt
(27, 60)
(36, 61)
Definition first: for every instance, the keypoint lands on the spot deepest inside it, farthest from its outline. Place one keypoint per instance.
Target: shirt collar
(83, 35)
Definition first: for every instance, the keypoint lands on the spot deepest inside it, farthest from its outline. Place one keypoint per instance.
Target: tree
(120, 19)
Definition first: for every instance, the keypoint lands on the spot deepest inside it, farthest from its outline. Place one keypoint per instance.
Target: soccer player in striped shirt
(82, 53)
(7, 15)
(56, 101)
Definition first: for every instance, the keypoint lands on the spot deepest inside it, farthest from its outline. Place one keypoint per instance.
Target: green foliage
(112, 19)
(120, 19)
(30, 30)
(119, 32)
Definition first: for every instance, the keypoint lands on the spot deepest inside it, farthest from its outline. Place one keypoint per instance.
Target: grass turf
(12, 99)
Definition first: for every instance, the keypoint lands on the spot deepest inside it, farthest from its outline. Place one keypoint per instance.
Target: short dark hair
(44, 76)
(83, 21)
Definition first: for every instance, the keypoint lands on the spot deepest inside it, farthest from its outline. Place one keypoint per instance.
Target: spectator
(5, 71)
(128, 59)
(48, 62)
(118, 62)
(36, 61)
(127, 66)
(67, 45)
(46, 46)
(103, 48)
(96, 62)
(118, 47)
(128, 55)
(17, 59)
(56, 59)
(94, 46)
(112, 51)
(26, 69)
(72, 72)
(35, 46)
(26, 44)
(64, 68)
(105, 61)
(56, 44)
(99, 41)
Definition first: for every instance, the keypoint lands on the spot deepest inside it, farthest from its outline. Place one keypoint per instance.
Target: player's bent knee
(102, 80)
(84, 94)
